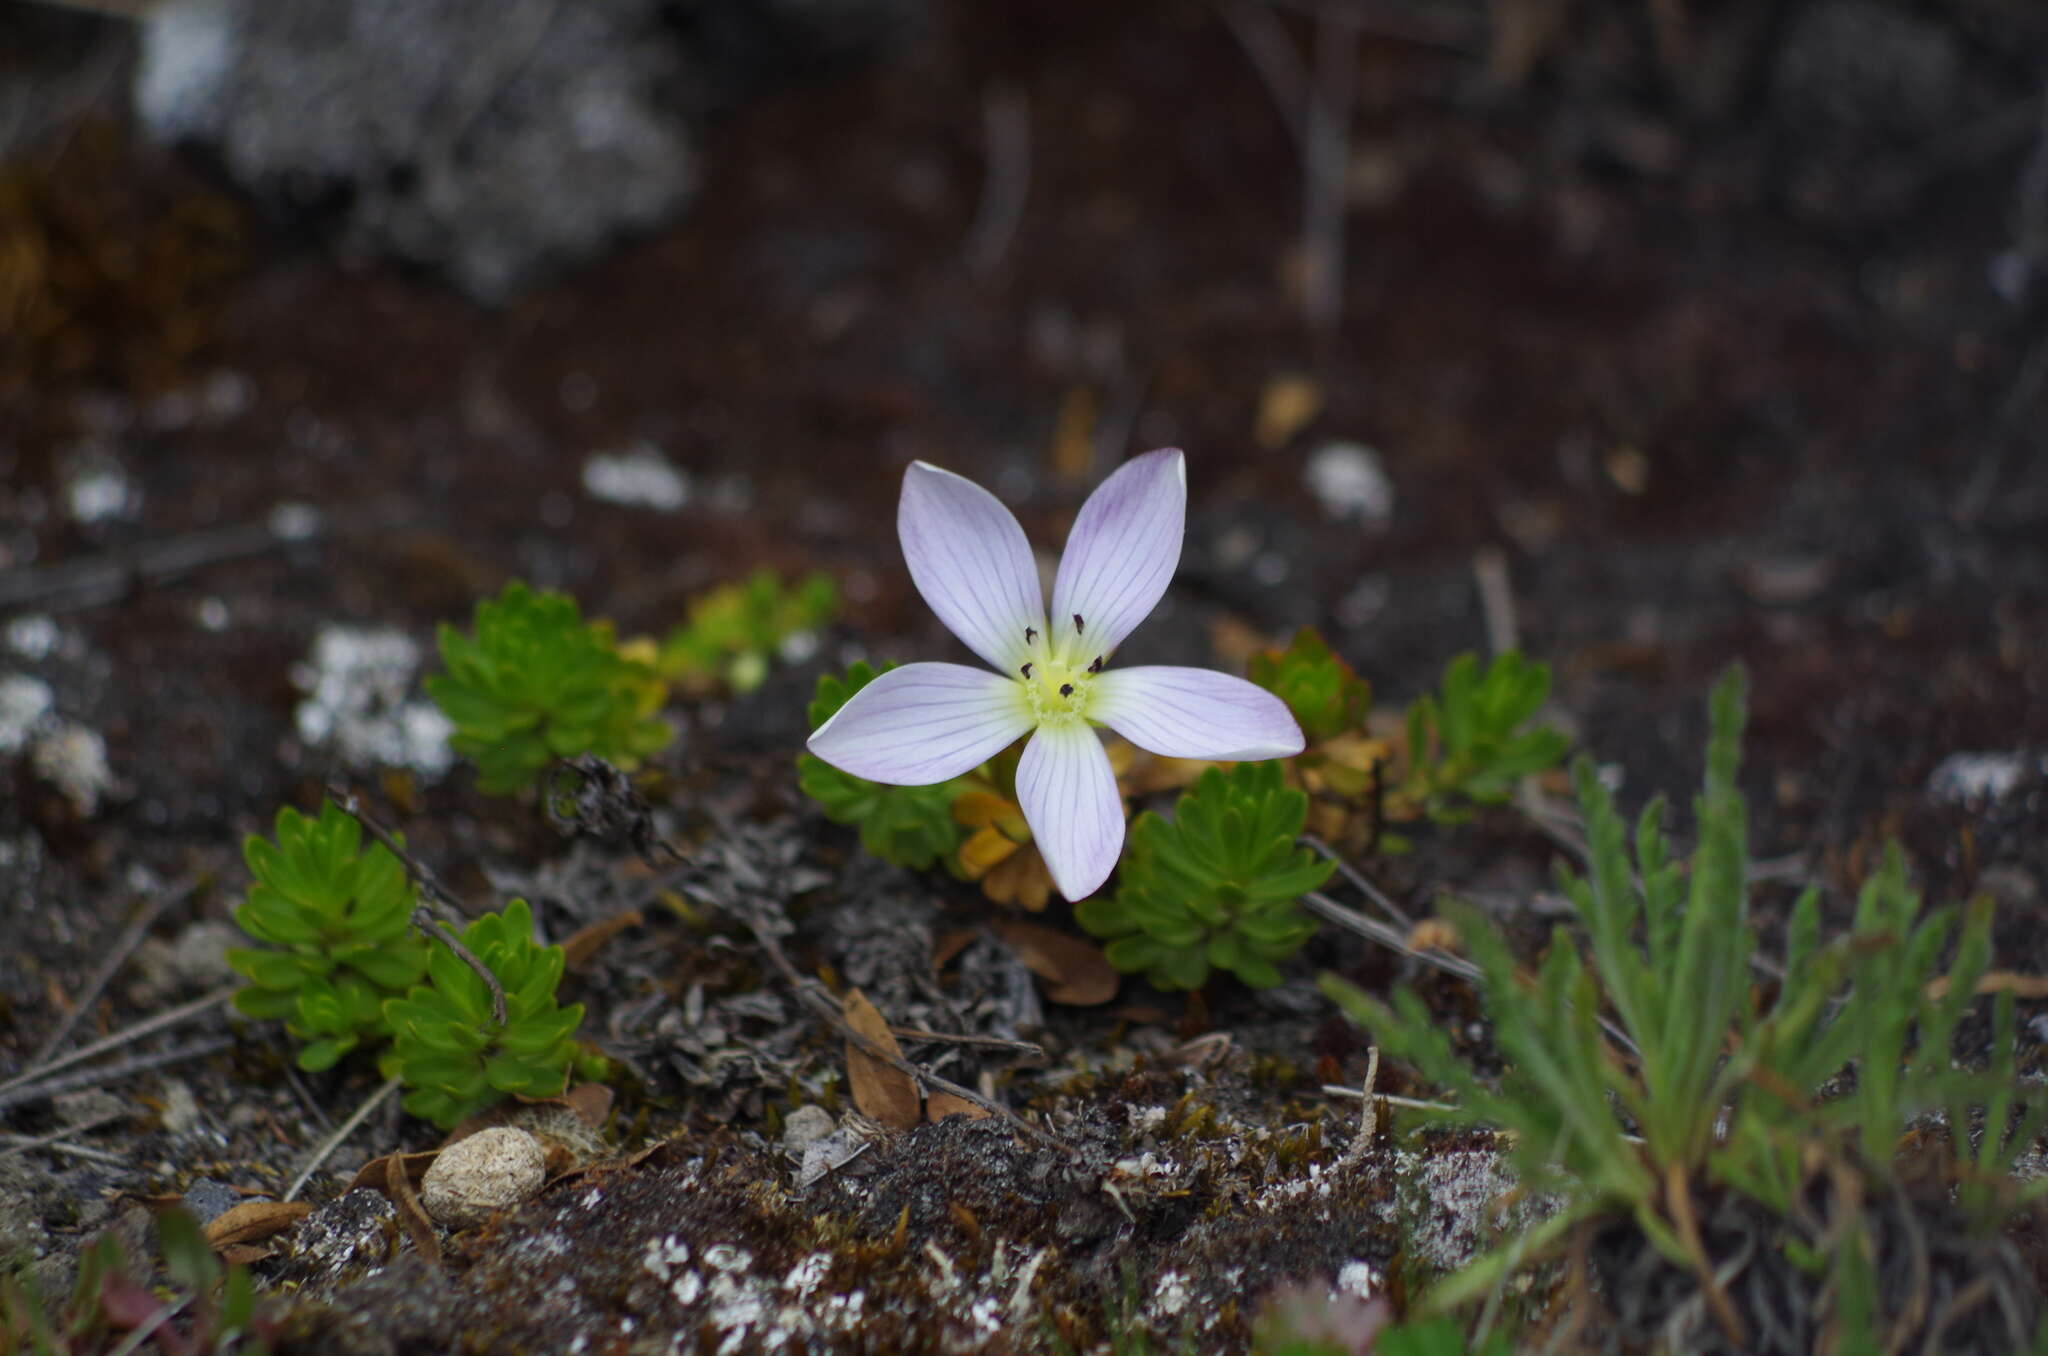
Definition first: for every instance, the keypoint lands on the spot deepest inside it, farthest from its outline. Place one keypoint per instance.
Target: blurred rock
(1861, 66)
(487, 139)
(483, 138)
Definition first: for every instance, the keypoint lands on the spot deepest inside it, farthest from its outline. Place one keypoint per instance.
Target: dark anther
(1066, 689)
(1095, 664)
(1077, 623)
(1030, 634)
(1027, 670)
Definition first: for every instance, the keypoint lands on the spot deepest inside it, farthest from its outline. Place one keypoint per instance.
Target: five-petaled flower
(925, 723)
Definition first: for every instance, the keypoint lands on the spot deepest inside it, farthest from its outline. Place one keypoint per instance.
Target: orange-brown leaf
(881, 1092)
(252, 1221)
(1075, 971)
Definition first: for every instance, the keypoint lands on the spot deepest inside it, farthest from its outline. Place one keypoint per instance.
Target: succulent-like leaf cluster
(535, 682)
(1213, 887)
(1713, 1086)
(338, 929)
(1467, 741)
(1325, 694)
(909, 825)
(454, 1056)
(736, 629)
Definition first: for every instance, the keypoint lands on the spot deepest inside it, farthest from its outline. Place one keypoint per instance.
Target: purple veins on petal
(1124, 547)
(1195, 713)
(923, 723)
(970, 560)
(1068, 794)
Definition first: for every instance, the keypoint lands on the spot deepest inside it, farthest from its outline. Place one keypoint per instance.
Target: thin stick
(341, 1133)
(809, 992)
(911, 1033)
(21, 1144)
(92, 1078)
(124, 946)
(1325, 159)
(1358, 879)
(423, 918)
(1368, 1113)
(1279, 66)
(118, 9)
(1496, 599)
(113, 575)
(86, 1152)
(1006, 181)
(149, 1026)
(1329, 909)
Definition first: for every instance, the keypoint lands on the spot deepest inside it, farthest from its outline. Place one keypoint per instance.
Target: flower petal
(1070, 800)
(1122, 552)
(1194, 713)
(923, 723)
(971, 562)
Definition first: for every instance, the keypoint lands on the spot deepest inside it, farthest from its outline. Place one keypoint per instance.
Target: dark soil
(1726, 377)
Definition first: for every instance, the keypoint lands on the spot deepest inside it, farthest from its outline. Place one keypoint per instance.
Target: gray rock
(481, 137)
(208, 1200)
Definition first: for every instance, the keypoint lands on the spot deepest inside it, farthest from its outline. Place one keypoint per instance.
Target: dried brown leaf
(1999, 981)
(942, 1104)
(882, 1093)
(591, 1102)
(579, 946)
(412, 1216)
(375, 1173)
(253, 1221)
(1075, 971)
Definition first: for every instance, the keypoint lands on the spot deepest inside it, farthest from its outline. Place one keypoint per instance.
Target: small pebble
(489, 1171)
(805, 1125)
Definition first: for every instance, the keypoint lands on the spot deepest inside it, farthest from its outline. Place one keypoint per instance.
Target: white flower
(925, 723)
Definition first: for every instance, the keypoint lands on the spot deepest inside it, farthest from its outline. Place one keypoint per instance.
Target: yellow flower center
(1058, 677)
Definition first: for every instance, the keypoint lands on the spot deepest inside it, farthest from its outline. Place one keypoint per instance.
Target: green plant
(909, 825)
(735, 629)
(536, 683)
(1325, 694)
(454, 1057)
(339, 926)
(1214, 886)
(112, 1310)
(1466, 742)
(1672, 951)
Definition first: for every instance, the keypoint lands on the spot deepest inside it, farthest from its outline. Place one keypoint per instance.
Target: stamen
(1030, 634)
(1027, 670)
(1066, 689)
(1095, 664)
(1077, 623)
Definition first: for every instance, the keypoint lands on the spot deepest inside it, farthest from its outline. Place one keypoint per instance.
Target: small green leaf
(1215, 885)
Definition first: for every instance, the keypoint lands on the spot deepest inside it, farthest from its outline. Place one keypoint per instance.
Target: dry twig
(341, 1133)
(149, 1026)
(124, 946)
(423, 917)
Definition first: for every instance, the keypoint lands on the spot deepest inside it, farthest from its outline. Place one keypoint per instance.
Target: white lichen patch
(1976, 778)
(1451, 1203)
(1170, 1295)
(33, 636)
(25, 703)
(359, 701)
(639, 477)
(73, 758)
(1350, 481)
